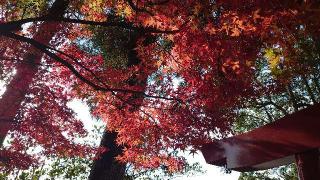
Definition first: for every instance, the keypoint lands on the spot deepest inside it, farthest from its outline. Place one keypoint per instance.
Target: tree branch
(46, 49)
(8, 26)
(264, 104)
(157, 3)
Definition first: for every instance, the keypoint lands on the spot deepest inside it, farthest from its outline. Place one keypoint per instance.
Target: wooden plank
(269, 146)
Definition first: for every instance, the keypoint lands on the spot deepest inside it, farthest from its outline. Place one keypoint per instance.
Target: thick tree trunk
(25, 72)
(107, 167)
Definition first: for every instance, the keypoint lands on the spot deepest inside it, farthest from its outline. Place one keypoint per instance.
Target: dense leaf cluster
(165, 76)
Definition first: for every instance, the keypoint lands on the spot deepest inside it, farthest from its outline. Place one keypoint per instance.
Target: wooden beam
(269, 146)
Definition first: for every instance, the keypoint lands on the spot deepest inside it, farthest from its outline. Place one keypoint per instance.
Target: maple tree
(164, 75)
(32, 104)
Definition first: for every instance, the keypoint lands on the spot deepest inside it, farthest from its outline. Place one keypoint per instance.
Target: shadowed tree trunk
(26, 70)
(106, 167)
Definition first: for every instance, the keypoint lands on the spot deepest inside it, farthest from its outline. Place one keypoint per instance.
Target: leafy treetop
(194, 63)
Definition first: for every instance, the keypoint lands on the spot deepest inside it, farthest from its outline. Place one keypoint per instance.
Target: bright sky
(212, 172)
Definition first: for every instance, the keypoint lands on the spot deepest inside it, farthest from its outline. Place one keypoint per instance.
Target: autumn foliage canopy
(166, 75)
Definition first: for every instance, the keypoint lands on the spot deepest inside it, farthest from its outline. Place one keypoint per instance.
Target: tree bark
(106, 167)
(26, 70)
